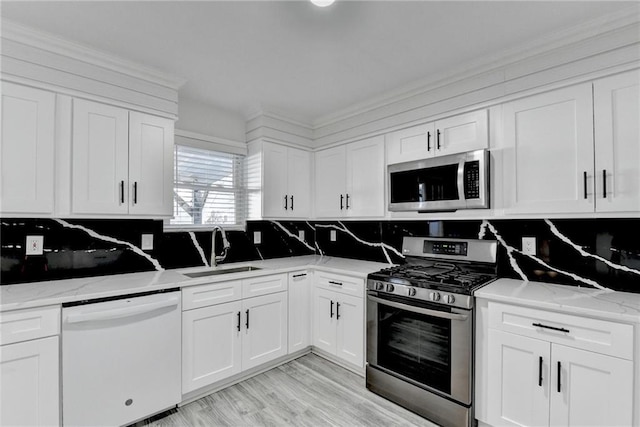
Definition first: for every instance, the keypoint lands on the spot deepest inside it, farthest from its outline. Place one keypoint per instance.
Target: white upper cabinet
(548, 155)
(457, 134)
(286, 181)
(27, 150)
(350, 180)
(150, 165)
(617, 143)
(122, 162)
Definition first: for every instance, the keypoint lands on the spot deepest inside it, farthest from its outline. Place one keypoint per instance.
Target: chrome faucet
(225, 246)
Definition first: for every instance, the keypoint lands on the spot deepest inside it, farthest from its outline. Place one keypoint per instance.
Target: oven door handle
(419, 310)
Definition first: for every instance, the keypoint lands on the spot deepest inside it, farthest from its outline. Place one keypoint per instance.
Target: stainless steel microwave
(446, 183)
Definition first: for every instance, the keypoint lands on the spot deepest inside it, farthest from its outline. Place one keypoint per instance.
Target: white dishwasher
(120, 359)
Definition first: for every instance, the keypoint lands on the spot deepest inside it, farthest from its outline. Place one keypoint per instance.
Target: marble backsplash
(602, 253)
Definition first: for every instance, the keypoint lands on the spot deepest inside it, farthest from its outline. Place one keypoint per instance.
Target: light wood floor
(308, 391)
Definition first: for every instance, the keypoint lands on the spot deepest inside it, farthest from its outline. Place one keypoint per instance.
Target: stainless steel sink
(222, 271)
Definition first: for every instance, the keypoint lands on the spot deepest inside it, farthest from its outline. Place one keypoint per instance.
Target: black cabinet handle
(559, 376)
(300, 275)
(121, 191)
(540, 371)
(291, 197)
(347, 201)
(604, 183)
(337, 310)
(286, 202)
(247, 324)
(540, 325)
(331, 282)
(238, 321)
(428, 141)
(341, 202)
(584, 178)
(135, 192)
(438, 139)
(331, 309)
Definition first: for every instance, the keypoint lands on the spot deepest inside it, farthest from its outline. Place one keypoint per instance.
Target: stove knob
(449, 299)
(434, 296)
(411, 292)
(379, 286)
(390, 287)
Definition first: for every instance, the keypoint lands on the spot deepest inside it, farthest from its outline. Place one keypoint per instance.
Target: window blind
(209, 187)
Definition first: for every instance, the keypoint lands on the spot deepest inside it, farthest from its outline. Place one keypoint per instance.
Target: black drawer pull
(331, 309)
(247, 324)
(331, 282)
(604, 183)
(239, 322)
(286, 201)
(559, 377)
(540, 325)
(299, 275)
(540, 371)
(428, 141)
(337, 311)
(341, 202)
(584, 178)
(438, 140)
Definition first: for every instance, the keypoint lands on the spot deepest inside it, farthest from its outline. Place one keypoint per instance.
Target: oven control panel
(423, 294)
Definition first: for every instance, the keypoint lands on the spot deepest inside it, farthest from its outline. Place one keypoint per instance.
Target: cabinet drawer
(338, 283)
(28, 324)
(212, 294)
(264, 285)
(600, 336)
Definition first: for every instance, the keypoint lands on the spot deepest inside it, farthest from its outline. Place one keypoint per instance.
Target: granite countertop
(39, 294)
(597, 303)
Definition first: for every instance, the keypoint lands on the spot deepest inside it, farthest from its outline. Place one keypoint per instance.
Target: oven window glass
(415, 346)
(425, 185)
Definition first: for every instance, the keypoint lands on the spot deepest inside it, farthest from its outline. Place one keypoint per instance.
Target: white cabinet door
(299, 313)
(265, 329)
(150, 165)
(365, 178)
(595, 390)
(548, 154)
(299, 183)
(464, 132)
(350, 333)
(330, 182)
(324, 320)
(617, 143)
(100, 159)
(414, 143)
(29, 383)
(27, 150)
(518, 380)
(274, 189)
(211, 345)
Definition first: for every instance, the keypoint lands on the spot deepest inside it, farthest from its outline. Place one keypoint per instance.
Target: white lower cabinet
(338, 320)
(230, 335)
(534, 379)
(299, 310)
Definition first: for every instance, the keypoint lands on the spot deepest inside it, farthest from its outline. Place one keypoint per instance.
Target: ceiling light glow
(322, 3)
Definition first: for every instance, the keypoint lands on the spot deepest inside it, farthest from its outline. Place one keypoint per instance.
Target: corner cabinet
(27, 150)
(338, 317)
(349, 180)
(556, 369)
(122, 161)
(299, 310)
(457, 134)
(552, 141)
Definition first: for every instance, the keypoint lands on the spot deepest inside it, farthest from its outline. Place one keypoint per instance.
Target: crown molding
(494, 63)
(209, 138)
(56, 44)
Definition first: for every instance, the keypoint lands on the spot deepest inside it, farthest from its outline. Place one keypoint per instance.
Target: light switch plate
(332, 235)
(301, 234)
(34, 245)
(147, 242)
(529, 245)
(257, 237)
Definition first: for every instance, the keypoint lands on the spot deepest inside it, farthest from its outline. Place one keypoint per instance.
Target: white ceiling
(296, 59)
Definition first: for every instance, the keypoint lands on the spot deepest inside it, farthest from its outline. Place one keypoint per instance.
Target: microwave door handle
(461, 163)
(419, 310)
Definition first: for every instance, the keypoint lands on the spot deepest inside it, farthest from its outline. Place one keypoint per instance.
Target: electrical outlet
(301, 234)
(529, 245)
(147, 242)
(332, 235)
(257, 237)
(34, 245)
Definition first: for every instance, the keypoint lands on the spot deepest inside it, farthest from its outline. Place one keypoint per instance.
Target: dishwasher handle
(118, 313)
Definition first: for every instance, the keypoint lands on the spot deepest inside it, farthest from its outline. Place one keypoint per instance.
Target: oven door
(421, 343)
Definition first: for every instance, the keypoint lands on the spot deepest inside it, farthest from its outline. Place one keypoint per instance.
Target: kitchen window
(209, 188)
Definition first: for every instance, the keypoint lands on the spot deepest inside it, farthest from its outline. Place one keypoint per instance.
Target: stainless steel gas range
(420, 326)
